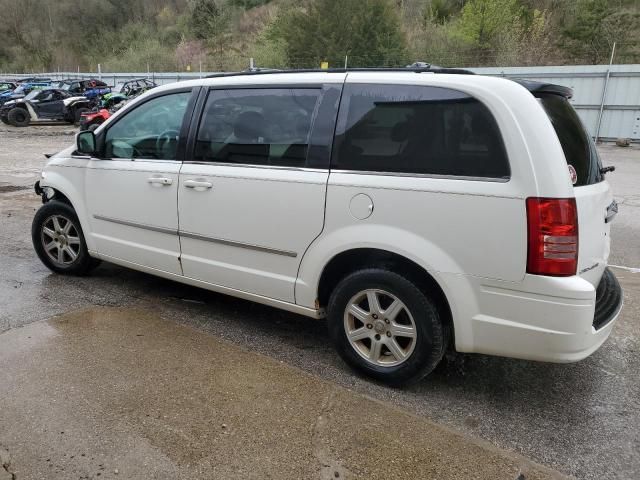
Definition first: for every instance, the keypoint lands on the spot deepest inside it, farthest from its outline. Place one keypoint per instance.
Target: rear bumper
(608, 300)
(546, 318)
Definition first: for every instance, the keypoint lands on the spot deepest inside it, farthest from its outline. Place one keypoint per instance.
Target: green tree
(206, 19)
(483, 22)
(441, 11)
(368, 31)
(594, 28)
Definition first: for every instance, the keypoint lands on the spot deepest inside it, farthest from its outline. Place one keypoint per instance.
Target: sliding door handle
(198, 184)
(160, 181)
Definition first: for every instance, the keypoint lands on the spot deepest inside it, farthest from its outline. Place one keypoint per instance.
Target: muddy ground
(152, 379)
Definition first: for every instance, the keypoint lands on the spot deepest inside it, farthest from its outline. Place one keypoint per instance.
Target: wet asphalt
(581, 419)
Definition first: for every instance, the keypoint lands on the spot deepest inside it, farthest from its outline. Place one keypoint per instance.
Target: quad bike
(44, 105)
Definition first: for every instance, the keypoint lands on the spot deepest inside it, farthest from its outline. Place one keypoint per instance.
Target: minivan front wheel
(384, 326)
(58, 239)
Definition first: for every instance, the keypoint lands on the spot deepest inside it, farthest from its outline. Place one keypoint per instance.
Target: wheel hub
(379, 326)
(60, 239)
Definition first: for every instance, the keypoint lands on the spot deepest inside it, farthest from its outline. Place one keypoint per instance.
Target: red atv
(92, 120)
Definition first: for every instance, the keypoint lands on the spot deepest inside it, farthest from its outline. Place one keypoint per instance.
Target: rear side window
(419, 130)
(257, 126)
(579, 149)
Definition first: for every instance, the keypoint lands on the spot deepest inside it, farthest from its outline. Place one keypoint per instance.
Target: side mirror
(86, 143)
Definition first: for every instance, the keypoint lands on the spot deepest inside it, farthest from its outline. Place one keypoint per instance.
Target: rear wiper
(604, 170)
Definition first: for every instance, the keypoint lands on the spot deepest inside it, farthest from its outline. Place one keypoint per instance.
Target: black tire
(93, 127)
(78, 113)
(83, 263)
(19, 117)
(430, 341)
(4, 119)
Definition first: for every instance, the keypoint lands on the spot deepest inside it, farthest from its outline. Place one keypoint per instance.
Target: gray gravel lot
(582, 419)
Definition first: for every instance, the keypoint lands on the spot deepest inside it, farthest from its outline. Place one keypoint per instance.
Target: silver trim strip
(233, 243)
(131, 160)
(423, 175)
(264, 167)
(153, 228)
(197, 236)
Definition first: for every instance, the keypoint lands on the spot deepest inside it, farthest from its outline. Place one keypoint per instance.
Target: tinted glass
(34, 94)
(579, 149)
(149, 131)
(45, 96)
(423, 130)
(257, 126)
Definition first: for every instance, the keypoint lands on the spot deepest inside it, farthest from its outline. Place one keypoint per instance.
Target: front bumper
(553, 319)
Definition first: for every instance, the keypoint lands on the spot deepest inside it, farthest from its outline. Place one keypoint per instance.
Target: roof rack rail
(417, 67)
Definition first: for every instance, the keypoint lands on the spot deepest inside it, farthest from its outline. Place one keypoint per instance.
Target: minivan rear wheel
(384, 326)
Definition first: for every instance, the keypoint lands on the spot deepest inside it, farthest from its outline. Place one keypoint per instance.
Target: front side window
(419, 130)
(150, 131)
(257, 126)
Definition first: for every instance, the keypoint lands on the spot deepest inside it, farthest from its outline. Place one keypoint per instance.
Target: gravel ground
(582, 419)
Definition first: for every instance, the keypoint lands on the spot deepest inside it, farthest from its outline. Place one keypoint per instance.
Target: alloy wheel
(61, 240)
(380, 327)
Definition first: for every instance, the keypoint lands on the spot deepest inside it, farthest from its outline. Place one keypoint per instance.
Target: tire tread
(411, 370)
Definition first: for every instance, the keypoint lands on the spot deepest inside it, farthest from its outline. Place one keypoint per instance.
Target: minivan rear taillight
(553, 236)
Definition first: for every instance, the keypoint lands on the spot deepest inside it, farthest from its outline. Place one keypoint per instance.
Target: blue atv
(91, 88)
(22, 90)
(7, 86)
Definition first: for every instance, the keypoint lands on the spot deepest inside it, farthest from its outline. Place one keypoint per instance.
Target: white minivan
(418, 210)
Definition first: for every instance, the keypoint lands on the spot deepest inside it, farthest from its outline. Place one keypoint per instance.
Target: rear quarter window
(418, 130)
(579, 149)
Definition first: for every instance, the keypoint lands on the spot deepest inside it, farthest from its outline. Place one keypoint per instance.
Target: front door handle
(160, 181)
(198, 184)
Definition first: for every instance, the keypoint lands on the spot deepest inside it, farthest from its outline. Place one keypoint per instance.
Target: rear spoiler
(541, 87)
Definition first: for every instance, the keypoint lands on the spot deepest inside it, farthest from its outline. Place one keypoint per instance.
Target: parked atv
(110, 100)
(7, 87)
(135, 87)
(88, 88)
(22, 90)
(92, 120)
(39, 105)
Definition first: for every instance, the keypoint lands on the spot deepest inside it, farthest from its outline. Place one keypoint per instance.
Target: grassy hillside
(168, 35)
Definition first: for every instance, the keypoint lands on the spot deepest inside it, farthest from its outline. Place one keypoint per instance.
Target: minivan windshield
(578, 146)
